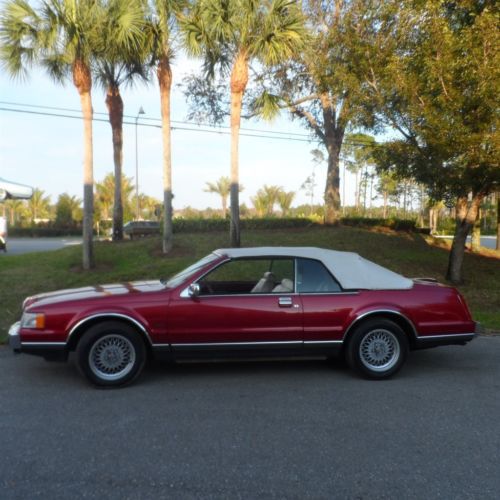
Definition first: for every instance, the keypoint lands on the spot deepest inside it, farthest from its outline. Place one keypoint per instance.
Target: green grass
(410, 254)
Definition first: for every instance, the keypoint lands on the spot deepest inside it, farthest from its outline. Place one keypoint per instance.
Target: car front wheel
(377, 349)
(111, 354)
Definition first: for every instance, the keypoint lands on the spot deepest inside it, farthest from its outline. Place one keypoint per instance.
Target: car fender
(382, 310)
(84, 320)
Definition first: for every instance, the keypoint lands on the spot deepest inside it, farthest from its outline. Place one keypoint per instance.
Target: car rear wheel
(111, 354)
(377, 349)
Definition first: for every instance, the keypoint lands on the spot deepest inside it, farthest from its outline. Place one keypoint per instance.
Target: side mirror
(194, 290)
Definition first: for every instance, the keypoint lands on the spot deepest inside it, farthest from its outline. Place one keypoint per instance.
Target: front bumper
(51, 351)
(14, 337)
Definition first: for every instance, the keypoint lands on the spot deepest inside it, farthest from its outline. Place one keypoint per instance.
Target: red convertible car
(249, 302)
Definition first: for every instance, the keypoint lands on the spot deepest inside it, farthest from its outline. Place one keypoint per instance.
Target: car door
(326, 307)
(242, 302)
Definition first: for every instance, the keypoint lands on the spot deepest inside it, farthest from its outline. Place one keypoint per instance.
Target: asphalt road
(17, 246)
(293, 429)
(486, 241)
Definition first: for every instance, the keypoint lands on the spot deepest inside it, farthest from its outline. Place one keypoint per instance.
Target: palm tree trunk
(224, 206)
(164, 74)
(465, 218)
(239, 80)
(114, 104)
(83, 82)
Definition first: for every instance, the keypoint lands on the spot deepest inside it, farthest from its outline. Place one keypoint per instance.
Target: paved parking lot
(293, 429)
(17, 246)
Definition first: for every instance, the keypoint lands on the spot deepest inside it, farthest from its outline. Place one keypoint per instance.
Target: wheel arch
(84, 324)
(397, 317)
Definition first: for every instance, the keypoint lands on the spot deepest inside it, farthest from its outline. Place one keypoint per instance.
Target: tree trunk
(357, 193)
(114, 104)
(83, 82)
(333, 137)
(475, 245)
(239, 80)
(431, 220)
(466, 215)
(164, 73)
(385, 204)
(332, 188)
(498, 220)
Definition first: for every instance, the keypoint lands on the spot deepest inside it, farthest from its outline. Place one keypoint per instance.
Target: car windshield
(189, 271)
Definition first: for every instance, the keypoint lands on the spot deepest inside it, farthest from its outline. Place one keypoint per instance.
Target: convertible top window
(313, 277)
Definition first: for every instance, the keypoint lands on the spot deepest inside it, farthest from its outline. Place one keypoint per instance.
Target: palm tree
(285, 200)
(222, 187)
(64, 37)
(265, 199)
(230, 34)
(61, 36)
(260, 203)
(160, 32)
(38, 205)
(16, 209)
(121, 63)
(105, 194)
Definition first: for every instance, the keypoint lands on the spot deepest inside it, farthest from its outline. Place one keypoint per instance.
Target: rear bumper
(51, 351)
(427, 341)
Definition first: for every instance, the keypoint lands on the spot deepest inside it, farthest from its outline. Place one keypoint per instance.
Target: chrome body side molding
(381, 311)
(110, 315)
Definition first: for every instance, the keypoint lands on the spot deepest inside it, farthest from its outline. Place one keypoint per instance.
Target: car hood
(93, 292)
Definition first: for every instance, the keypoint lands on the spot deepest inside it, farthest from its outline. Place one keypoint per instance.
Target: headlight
(33, 320)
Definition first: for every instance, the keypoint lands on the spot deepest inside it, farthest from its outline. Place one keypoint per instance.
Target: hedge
(196, 225)
(182, 225)
(393, 223)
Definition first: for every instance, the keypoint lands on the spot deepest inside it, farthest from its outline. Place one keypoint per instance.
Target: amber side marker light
(40, 321)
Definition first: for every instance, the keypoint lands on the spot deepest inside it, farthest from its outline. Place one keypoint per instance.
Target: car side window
(245, 276)
(313, 277)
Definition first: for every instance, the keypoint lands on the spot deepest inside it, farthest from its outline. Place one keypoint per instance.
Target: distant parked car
(278, 301)
(140, 228)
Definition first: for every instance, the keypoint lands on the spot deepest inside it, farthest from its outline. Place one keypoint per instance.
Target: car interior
(267, 276)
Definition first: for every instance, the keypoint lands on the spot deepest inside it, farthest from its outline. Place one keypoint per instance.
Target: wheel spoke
(379, 350)
(112, 357)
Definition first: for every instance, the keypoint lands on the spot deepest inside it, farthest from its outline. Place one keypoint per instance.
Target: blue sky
(46, 152)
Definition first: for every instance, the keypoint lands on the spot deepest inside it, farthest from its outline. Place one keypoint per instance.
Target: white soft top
(350, 269)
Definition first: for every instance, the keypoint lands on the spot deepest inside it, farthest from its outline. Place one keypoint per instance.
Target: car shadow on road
(419, 365)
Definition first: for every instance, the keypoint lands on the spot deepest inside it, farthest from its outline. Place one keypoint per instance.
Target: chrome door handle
(285, 302)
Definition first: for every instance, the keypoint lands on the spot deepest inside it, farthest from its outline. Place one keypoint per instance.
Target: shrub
(392, 223)
(182, 225)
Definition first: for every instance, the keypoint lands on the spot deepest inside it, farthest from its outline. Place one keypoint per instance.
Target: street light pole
(137, 205)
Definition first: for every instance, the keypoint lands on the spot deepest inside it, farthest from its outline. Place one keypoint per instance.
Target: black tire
(111, 354)
(377, 348)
